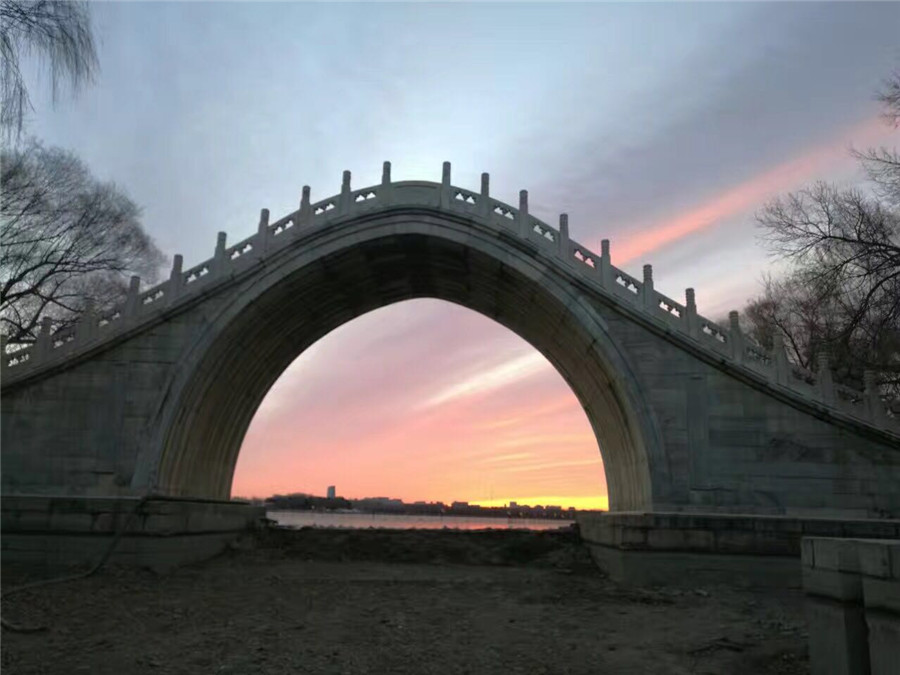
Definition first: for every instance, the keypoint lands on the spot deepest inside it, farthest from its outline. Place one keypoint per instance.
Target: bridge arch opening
(299, 299)
(423, 400)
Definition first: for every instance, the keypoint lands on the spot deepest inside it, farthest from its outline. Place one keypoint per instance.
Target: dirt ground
(333, 601)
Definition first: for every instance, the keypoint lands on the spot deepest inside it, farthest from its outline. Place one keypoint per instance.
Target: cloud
(749, 194)
(500, 375)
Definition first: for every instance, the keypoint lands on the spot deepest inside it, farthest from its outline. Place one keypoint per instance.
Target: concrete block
(838, 639)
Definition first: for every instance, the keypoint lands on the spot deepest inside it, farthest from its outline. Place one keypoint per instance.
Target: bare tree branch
(65, 239)
(59, 35)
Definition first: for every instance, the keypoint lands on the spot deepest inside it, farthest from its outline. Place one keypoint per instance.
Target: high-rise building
(331, 492)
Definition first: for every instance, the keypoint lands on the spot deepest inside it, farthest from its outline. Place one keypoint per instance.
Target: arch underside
(252, 347)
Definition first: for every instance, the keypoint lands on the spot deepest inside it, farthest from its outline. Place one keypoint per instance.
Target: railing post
(823, 378)
(874, 404)
(176, 278)
(3, 350)
(736, 337)
(84, 328)
(690, 313)
(305, 214)
(563, 239)
(647, 288)
(262, 234)
(219, 259)
(523, 221)
(42, 343)
(444, 197)
(605, 265)
(782, 367)
(131, 302)
(385, 194)
(484, 204)
(344, 200)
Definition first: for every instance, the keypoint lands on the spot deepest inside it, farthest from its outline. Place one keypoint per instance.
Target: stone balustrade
(726, 345)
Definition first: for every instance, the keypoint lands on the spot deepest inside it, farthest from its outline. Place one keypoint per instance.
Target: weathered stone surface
(160, 533)
(158, 400)
(853, 591)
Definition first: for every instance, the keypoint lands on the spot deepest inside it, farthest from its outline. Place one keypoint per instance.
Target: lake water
(406, 522)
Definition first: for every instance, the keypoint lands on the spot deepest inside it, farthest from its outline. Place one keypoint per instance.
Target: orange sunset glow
(475, 426)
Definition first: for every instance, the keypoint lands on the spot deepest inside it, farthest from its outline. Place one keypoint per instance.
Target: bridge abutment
(691, 549)
(157, 532)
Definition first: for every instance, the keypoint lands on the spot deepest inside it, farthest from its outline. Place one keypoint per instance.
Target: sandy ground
(397, 602)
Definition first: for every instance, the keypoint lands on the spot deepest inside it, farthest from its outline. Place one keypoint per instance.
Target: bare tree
(67, 240)
(59, 34)
(843, 291)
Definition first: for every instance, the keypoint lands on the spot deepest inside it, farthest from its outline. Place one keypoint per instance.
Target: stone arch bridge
(155, 396)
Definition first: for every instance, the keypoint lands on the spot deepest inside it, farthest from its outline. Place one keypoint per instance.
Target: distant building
(331, 492)
(459, 505)
(513, 505)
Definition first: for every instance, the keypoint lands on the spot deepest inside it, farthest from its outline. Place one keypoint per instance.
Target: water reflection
(407, 522)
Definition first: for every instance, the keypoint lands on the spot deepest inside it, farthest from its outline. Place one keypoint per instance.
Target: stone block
(737, 541)
(875, 558)
(633, 537)
(884, 642)
(838, 640)
(836, 554)
(881, 594)
(61, 521)
(699, 540)
(841, 586)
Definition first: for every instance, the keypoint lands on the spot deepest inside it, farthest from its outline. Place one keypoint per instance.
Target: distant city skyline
(331, 493)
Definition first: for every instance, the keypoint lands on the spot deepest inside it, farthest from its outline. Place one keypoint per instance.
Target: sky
(662, 127)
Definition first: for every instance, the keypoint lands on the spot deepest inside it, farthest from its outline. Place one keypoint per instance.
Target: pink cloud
(643, 238)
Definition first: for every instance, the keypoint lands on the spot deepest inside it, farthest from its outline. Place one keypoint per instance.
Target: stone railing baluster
(484, 204)
(262, 235)
(562, 241)
(736, 337)
(606, 275)
(874, 405)
(523, 221)
(385, 192)
(344, 201)
(690, 313)
(220, 262)
(782, 367)
(132, 303)
(42, 343)
(86, 324)
(824, 380)
(176, 279)
(444, 196)
(305, 214)
(647, 292)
